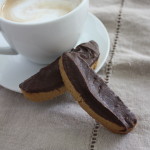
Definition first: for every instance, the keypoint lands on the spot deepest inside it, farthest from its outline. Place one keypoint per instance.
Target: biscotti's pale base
(109, 125)
(44, 96)
(94, 65)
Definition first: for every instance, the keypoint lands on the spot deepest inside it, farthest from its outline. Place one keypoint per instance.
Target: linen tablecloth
(61, 124)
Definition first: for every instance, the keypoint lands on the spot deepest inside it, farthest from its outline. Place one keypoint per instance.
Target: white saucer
(14, 69)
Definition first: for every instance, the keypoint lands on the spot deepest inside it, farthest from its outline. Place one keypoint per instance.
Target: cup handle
(7, 50)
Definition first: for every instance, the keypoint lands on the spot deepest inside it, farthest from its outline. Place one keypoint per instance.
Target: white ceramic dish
(44, 40)
(15, 69)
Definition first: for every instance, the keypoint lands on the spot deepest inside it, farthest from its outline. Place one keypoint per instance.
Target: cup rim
(45, 22)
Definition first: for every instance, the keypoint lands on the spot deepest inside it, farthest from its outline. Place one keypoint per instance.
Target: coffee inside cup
(26, 11)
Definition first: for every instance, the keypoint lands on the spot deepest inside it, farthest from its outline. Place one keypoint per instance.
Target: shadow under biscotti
(18, 100)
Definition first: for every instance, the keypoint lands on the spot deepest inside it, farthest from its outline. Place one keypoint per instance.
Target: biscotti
(94, 96)
(47, 83)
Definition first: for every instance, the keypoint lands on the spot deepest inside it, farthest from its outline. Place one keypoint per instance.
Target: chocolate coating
(96, 94)
(88, 51)
(49, 77)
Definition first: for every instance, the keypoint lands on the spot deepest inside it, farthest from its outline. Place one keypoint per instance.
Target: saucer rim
(108, 46)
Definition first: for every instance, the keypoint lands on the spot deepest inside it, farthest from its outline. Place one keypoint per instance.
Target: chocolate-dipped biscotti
(47, 83)
(94, 96)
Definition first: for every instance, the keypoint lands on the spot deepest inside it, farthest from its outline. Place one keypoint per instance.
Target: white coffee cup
(42, 42)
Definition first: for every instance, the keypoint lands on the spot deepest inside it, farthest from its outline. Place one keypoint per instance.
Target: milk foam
(37, 10)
